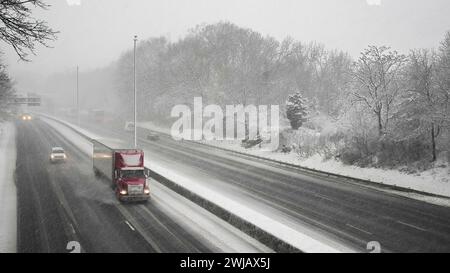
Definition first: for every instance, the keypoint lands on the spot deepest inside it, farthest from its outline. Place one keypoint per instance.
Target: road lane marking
(413, 226)
(72, 228)
(362, 230)
(129, 225)
(323, 197)
(139, 229)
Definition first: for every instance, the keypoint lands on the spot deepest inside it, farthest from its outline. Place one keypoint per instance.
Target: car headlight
(123, 192)
(146, 191)
(52, 156)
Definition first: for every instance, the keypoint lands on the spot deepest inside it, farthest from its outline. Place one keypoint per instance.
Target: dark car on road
(153, 136)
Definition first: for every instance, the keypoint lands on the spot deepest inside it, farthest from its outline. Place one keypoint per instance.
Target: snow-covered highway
(61, 203)
(325, 209)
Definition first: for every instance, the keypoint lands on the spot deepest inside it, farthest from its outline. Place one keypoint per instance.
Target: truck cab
(124, 168)
(131, 184)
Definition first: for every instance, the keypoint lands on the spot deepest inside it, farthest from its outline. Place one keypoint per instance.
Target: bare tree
(6, 90)
(20, 29)
(376, 75)
(424, 100)
(443, 77)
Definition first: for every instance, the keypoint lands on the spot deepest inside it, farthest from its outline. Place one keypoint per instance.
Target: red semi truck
(124, 168)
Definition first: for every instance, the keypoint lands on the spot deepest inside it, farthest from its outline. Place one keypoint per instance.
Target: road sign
(30, 101)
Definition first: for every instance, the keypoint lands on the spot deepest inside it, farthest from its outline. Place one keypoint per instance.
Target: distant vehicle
(25, 117)
(57, 155)
(248, 143)
(153, 136)
(129, 126)
(97, 115)
(124, 168)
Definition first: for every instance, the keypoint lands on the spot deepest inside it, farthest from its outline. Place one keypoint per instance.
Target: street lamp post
(78, 106)
(135, 110)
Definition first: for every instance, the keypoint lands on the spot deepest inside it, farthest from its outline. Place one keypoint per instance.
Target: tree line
(390, 108)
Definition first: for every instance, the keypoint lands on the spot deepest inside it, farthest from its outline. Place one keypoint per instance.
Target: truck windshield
(132, 174)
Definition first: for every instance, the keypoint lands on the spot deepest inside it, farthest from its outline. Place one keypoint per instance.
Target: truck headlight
(146, 191)
(52, 156)
(123, 192)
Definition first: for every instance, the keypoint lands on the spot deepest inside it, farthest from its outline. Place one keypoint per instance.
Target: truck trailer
(124, 168)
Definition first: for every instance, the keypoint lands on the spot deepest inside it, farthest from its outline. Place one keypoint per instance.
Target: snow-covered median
(72, 136)
(259, 218)
(8, 195)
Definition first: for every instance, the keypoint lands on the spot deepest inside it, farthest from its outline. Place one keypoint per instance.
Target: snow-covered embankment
(8, 195)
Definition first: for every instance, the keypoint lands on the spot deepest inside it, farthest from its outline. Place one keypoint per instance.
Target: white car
(26, 117)
(58, 155)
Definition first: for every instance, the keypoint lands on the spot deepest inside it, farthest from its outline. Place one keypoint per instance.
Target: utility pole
(78, 106)
(135, 110)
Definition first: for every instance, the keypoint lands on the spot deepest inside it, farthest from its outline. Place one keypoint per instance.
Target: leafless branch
(20, 29)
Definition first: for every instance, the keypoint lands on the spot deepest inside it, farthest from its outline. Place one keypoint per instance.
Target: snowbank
(8, 195)
(435, 181)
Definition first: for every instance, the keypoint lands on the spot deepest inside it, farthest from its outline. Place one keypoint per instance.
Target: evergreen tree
(297, 110)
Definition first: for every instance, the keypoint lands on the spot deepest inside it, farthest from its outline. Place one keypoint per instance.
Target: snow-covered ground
(434, 181)
(8, 196)
(267, 218)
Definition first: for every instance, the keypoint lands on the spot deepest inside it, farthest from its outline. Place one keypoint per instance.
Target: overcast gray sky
(96, 32)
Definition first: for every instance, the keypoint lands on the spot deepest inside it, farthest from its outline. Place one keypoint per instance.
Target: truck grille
(135, 189)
